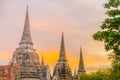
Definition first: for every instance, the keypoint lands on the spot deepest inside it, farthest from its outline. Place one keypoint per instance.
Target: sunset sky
(78, 19)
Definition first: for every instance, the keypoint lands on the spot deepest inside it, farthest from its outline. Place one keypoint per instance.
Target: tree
(99, 75)
(110, 28)
(110, 34)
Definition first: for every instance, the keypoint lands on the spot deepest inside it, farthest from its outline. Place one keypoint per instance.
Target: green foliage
(110, 35)
(107, 74)
(110, 28)
(113, 13)
(111, 23)
(112, 3)
(99, 75)
(111, 39)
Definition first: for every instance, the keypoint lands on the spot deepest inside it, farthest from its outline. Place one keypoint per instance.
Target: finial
(62, 33)
(80, 49)
(27, 6)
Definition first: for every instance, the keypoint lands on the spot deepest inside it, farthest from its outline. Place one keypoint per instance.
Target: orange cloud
(51, 58)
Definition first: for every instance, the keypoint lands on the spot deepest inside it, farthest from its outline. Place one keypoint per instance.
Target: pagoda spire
(42, 62)
(81, 69)
(62, 56)
(26, 36)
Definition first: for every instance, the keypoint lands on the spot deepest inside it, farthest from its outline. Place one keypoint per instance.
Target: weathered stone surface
(62, 68)
(25, 55)
(29, 79)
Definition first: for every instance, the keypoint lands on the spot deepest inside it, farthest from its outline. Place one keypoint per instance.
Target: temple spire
(26, 37)
(81, 68)
(42, 62)
(62, 56)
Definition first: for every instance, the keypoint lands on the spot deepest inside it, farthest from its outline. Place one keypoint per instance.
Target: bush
(99, 75)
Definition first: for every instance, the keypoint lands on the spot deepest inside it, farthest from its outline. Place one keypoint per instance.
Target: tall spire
(81, 69)
(62, 56)
(26, 37)
(42, 62)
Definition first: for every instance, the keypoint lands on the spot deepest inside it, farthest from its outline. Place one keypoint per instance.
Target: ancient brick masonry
(10, 72)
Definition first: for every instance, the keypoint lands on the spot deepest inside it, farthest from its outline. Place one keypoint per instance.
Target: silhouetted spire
(81, 69)
(62, 56)
(26, 37)
(42, 62)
